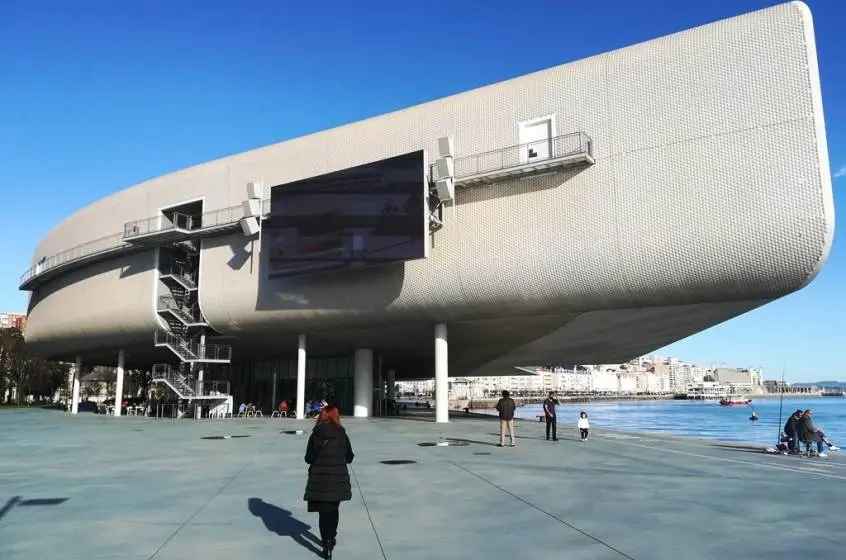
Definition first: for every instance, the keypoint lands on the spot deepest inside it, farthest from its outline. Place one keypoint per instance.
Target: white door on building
(536, 139)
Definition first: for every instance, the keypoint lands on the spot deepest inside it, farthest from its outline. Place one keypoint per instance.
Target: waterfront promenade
(95, 487)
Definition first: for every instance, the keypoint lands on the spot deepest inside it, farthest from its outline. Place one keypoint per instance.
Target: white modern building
(525, 244)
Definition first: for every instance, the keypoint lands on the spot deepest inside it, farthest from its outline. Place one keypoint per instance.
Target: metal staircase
(186, 387)
(192, 351)
(164, 373)
(179, 275)
(183, 329)
(173, 306)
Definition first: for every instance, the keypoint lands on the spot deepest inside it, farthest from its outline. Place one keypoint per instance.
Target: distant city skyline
(160, 99)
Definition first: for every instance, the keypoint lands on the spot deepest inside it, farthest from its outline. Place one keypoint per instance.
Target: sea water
(704, 419)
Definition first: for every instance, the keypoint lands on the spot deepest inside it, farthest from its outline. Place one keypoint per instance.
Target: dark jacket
(506, 406)
(805, 430)
(328, 452)
(790, 427)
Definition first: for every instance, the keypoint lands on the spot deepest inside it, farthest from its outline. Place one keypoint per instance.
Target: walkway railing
(83, 251)
(559, 147)
(211, 220)
(115, 243)
(176, 221)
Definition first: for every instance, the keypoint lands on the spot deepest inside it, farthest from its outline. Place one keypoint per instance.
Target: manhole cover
(398, 462)
(482, 453)
(222, 437)
(293, 432)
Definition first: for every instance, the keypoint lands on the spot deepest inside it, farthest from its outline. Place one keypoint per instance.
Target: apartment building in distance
(13, 321)
(650, 375)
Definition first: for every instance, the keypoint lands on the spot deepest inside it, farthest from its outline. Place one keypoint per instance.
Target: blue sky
(99, 95)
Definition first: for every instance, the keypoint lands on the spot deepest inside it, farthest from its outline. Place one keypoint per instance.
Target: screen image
(370, 214)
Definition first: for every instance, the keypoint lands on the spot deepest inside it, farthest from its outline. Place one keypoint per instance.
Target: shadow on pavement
(16, 501)
(490, 443)
(740, 448)
(521, 436)
(284, 524)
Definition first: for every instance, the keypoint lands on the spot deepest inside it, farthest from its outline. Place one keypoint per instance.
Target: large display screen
(370, 214)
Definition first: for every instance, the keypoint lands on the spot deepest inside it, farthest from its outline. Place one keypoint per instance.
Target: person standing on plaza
(328, 453)
(506, 407)
(584, 425)
(549, 414)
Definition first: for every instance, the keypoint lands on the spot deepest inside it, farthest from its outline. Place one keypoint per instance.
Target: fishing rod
(780, 404)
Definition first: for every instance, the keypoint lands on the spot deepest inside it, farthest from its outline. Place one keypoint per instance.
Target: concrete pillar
(441, 374)
(77, 375)
(380, 389)
(198, 410)
(301, 373)
(363, 383)
(392, 381)
(119, 383)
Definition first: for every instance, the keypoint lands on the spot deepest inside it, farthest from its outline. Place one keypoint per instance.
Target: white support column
(77, 376)
(363, 383)
(380, 389)
(441, 374)
(198, 410)
(119, 383)
(392, 382)
(301, 373)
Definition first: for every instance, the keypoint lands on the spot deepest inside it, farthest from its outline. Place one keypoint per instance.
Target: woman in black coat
(328, 453)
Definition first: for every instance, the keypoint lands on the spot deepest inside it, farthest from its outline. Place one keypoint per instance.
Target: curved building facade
(602, 209)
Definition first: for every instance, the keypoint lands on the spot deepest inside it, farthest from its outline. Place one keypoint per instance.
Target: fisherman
(790, 432)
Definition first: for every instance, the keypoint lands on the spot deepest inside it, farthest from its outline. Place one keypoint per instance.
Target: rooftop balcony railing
(78, 253)
(184, 225)
(532, 157)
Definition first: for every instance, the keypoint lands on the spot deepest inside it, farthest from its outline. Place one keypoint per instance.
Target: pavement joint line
(49, 512)
(735, 461)
(367, 511)
(202, 507)
(543, 511)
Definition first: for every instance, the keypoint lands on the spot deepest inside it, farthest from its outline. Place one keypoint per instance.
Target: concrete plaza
(97, 487)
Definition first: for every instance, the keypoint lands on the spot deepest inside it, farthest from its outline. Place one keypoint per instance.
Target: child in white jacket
(584, 425)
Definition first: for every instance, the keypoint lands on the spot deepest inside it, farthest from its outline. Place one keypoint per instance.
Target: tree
(43, 378)
(12, 361)
(26, 374)
(92, 389)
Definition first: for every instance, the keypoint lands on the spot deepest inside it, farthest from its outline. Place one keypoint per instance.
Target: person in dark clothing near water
(328, 453)
(790, 432)
(549, 414)
(506, 407)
